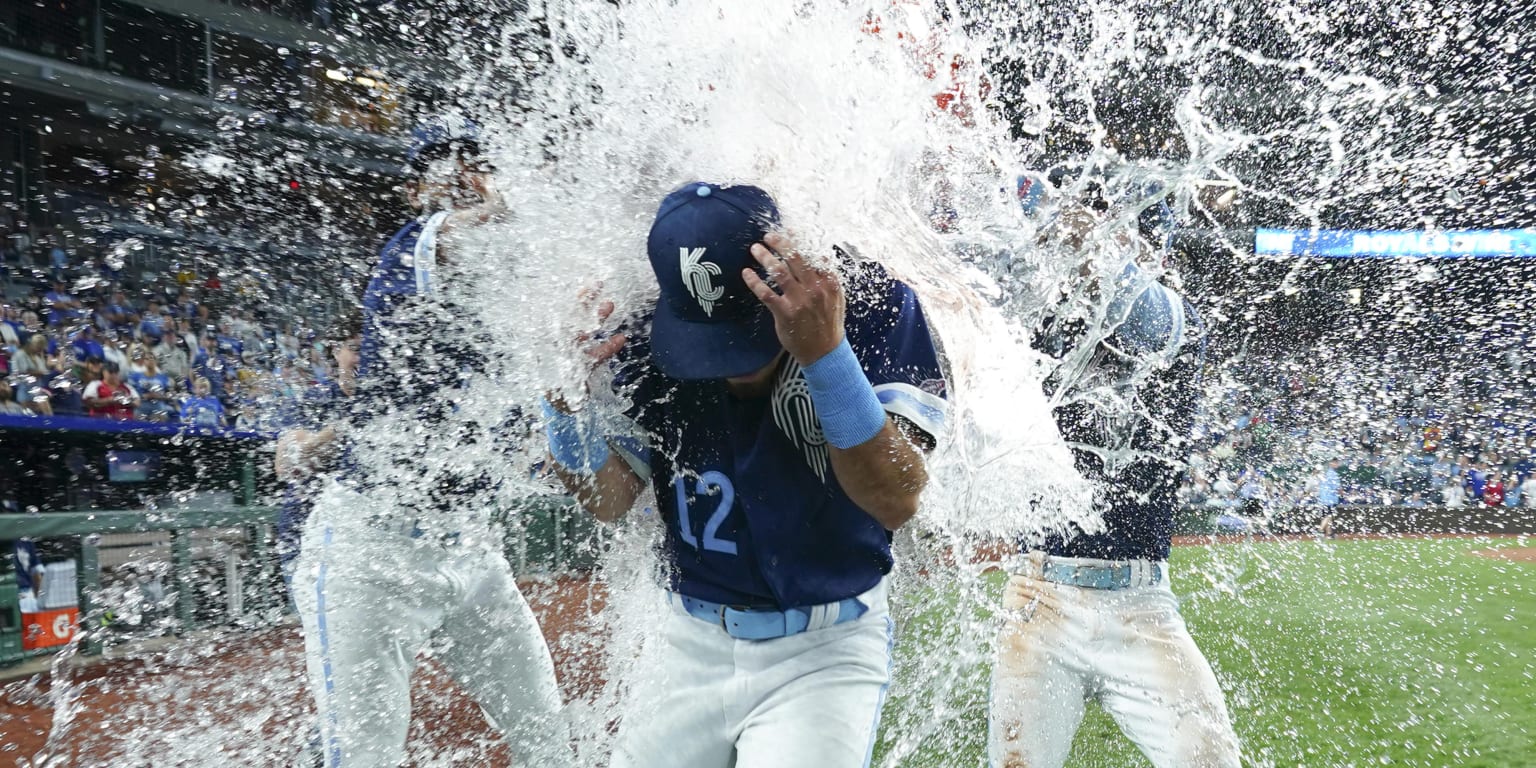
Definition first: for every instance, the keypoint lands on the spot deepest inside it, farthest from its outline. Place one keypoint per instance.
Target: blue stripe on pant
(333, 746)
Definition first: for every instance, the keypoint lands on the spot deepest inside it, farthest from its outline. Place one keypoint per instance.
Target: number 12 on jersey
(710, 485)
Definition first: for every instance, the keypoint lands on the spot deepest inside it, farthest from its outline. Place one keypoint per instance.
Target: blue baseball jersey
(1156, 329)
(392, 282)
(202, 412)
(754, 515)
(417, 345)
(413, 340)
(315, 408)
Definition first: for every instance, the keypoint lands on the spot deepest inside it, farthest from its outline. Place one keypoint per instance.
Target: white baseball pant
(707, 700)
(1129, 649)
(370, 600)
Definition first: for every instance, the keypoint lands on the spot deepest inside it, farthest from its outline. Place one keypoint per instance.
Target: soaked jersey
(754, 515)
(418, 353)
(314, 409)
(1155, 354)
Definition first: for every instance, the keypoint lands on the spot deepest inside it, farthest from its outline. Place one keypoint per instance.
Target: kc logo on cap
(707, 323)
(696, 275)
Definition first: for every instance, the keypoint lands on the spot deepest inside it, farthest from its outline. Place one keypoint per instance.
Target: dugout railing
(115, 495)
(546, 535)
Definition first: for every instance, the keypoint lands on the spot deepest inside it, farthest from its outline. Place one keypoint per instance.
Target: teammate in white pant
(1091, 616)
(400, 549)
(782, 441)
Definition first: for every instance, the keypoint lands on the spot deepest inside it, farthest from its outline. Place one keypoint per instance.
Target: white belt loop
(874, 597)
(1034, 564)
(822, 616)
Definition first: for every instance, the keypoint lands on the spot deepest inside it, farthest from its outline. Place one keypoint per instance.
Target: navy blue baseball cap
(708, 324)
(438, 132)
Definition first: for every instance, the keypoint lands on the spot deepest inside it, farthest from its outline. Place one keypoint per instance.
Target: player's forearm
(606, 494)
(884, 475)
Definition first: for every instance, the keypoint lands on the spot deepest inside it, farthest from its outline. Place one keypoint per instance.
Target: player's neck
(754, 385)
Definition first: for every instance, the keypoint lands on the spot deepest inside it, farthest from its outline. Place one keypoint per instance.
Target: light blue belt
(767, 623)
(1098, 576)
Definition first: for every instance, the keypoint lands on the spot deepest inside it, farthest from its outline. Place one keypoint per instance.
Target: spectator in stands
(119, 313)
(154, 387)
(10, 327)
(114, 349)
(183, 305)
(85, 343)
(110, 397)
(9, 406)
(58, 258)
(1493, 490)
(90, 370)
(248, 331)
(229, 344)
(33, 358)
(150, 321)
(188, 333)
(171, 354)
(1476, 481)
(211, 365)
(1514, 490)
(21, 242)
(31, 325)
(62, 306)
(1454, 493)
(202, 408)
(1525, 466)
(1251, 493)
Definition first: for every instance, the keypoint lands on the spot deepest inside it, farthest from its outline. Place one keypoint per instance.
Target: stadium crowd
(1400, 434)
(84, 338)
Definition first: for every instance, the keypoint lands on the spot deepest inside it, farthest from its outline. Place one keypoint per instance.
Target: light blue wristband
(573, 445)
(845, 403)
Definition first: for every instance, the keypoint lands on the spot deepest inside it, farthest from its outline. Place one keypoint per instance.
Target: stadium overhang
(179, 112)
(280, 31)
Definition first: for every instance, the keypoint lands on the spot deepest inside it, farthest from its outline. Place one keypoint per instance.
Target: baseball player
(784, 425)
(1090, 615)
(309, 443)
(399, 548)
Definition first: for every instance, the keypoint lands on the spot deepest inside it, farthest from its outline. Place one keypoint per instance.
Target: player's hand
(809, 305)
(596, 350)
(473, 216)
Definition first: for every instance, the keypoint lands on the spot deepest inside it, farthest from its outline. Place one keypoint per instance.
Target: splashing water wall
(880, 127)
(900, 128)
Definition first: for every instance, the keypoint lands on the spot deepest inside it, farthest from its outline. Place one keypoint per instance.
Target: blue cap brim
(717, 350)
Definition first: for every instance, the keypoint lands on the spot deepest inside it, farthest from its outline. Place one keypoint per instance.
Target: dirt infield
(1512, 554)
(240, 700)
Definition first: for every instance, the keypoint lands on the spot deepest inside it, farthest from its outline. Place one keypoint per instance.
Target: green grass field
(1339, 653)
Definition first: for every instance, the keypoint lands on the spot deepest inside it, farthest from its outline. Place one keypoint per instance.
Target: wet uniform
(318, 406)
(400, 548)
(1091, 615)
(778, 647)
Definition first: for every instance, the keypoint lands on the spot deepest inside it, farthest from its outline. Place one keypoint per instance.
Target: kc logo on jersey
(795, 416)
(697, 276)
